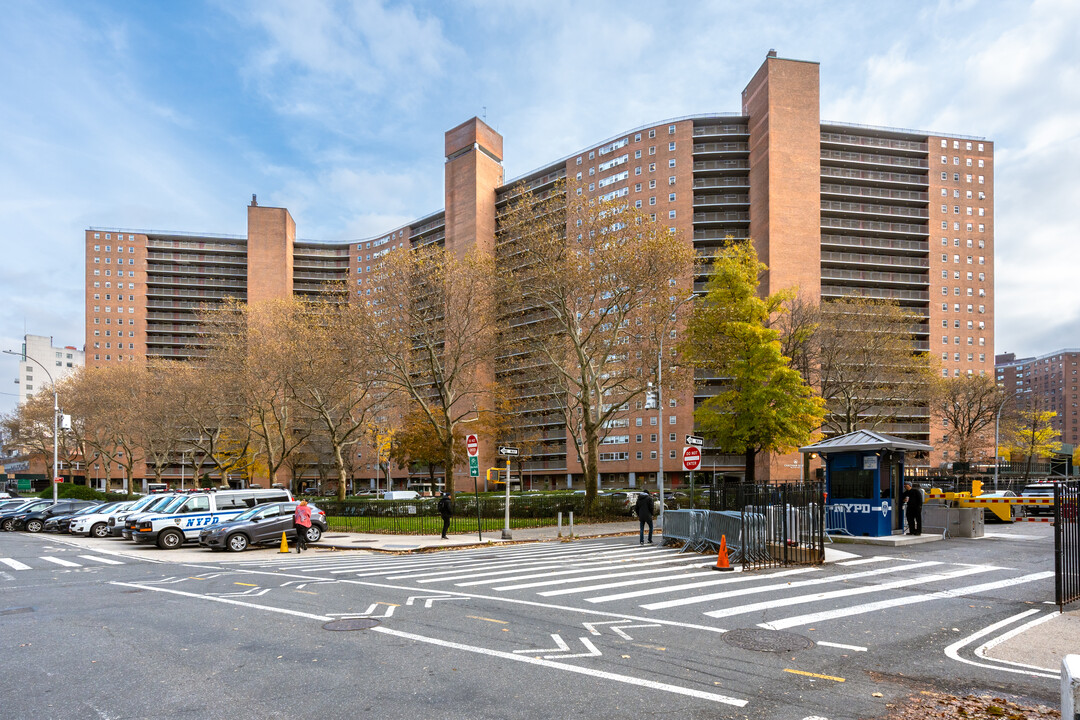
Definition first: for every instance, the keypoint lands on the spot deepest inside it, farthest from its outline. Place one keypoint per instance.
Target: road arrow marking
(563, 647)
(593, 651)
(428, 599)
(617, 627)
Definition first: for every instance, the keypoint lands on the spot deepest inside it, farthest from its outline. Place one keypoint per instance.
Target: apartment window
(638, 454)
(591, 154)
(945, 371)
(944, 176)
(671, 214)
(652, 149)
(652, 133)
(944, 143)
(944, 159)
(652, 167)
(671, 146)
(982, 228)
(652, 437)
(955, 160)
(968, 162)
(982, 163)
(956, 177)
(956, 144)
(578, 176)
(579, 160)
(637, 137)
(637, 186)
(671, 197)
(671, 180)
(637, 204)
(956, 209)
(652, 184)
(671, 163)
(944, 225)
(592, 186)
(637, 170)
(637, 154)
(944, 208)
(652, 200)
(671, 131)
(592, 171)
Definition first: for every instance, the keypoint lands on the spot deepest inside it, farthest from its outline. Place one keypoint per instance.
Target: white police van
(184, 521)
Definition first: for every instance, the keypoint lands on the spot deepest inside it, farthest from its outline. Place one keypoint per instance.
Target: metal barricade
(835, 522)
(1066, 543)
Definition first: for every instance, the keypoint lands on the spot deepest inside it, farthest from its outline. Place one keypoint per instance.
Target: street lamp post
(56, 417)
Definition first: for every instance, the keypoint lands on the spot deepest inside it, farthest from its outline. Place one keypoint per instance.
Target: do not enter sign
(691, 458)
(472, 445)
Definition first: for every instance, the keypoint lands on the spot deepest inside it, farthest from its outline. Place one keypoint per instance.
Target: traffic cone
(722, 558)
(284, 544)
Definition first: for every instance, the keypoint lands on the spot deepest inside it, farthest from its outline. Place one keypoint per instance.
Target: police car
(185, 520)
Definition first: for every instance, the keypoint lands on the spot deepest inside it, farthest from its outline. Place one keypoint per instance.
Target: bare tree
(597, 285)
(431, 326)
(968, 405)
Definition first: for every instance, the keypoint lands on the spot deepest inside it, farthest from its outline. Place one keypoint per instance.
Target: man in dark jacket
(644, 510)
(446, 507)
(913, 497)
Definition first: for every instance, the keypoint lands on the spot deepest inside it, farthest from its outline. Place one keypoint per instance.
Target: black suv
(34, 521)
(9, 517)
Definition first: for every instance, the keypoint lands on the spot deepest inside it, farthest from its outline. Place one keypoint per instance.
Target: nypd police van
(183, 521)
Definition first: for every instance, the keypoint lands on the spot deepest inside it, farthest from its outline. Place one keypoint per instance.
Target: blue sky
(169, 115)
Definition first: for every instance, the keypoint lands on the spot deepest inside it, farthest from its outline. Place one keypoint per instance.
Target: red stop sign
(691, 458)
(472, 445)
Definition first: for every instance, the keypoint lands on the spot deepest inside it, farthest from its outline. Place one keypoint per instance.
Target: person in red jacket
(302, 523)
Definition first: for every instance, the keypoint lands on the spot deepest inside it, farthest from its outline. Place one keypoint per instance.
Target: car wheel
(170, 539)
(314, 534)
(34, 526)
(237, 542)
(8, 526)
(100, 530)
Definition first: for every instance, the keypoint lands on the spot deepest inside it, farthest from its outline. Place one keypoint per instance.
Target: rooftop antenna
(254, 202)
(484, 113)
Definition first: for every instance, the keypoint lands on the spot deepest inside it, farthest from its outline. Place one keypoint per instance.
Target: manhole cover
(351, 624)
(767, 640)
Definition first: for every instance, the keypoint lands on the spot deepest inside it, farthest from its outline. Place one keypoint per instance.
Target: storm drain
(767, 640)
(350, 624)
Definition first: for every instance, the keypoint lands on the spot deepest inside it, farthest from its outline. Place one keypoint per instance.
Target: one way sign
(695, 440)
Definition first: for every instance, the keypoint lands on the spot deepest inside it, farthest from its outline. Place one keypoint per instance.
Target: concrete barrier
(1070, 687)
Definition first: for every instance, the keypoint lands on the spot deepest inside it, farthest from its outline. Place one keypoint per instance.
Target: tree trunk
(448, 466)
(339, 462)
(751, 466)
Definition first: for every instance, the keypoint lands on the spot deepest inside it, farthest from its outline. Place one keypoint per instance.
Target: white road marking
(854, 648)
(864, 561)
(587, 671)
(846, 592)
(94, 558)
(560, 645)
(727, 580)
(784, 586)
(1010, 536)
(897, 602)
(981, 650)
(953, 651)
(14, 564)
(624, 583)
(624, 571)
(58, 561)
(565, 667)
(593, 651)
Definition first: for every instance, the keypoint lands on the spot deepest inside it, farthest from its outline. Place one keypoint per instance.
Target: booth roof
(863, 440)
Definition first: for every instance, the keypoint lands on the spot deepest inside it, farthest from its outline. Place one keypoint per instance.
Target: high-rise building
(59, 362)
(1047, 382)
(834, 209)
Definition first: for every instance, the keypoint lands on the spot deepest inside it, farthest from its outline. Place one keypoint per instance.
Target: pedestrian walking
(913, 497)
(644, 510)
(302, 523)
(446, 508)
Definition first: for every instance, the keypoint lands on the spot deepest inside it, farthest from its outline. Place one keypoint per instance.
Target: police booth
(864, 475)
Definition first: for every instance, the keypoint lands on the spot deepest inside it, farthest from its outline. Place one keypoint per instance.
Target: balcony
(912, 146)
(727, 129)
(882, 193)
(721, 182)
(714, 148)
(196, 258)
(854, 158)
(837, 291)
(875, 277)
(173, 316)
(850, 208)
(722, 217)
(736, 234)
(156, 281)
(873, 226)
(721, 165)
(874, 176)
(902, 261)
(203, 246)
(884, 243)
(196, 270)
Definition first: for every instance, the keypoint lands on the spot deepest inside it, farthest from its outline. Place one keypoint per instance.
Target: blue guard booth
(864, 474)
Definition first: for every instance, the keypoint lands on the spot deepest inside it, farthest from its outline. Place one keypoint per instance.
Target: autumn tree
(763, 405)
(968, 405)
(1031, 434)
(596, 285)
(418, 445)
(867, 367)
(431, 327)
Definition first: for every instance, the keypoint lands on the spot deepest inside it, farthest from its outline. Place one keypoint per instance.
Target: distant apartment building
(834, 209)
(1047, 382)
(58, 362)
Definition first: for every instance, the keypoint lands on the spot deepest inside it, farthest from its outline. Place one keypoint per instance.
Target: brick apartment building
(1047, 382)
(835, 209)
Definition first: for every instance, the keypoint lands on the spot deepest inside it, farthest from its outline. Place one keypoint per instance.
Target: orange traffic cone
(722, 563)
(284, 544)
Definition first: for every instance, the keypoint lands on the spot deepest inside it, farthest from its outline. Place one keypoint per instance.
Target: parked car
(117, 521)
(9, 514)
(183, 522)
(34, 521)
(95, 523)
(61, 523)
(1038, 490)
(261, 524)
(400, 495)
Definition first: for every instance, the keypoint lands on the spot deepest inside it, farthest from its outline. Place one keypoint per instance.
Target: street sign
(472, 445)
(59, 479)
(691, 458)
(695, 440)
(474, 467)
(503, 450)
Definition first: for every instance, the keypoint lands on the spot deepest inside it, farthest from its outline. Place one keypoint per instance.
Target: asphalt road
(593, 628)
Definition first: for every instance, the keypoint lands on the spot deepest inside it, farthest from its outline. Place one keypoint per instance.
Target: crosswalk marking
(740, 578)
(95, 558)
(787, 586)
(637, 568)
(897, 602)
(14, 564)
(846, 592)
(59, 561)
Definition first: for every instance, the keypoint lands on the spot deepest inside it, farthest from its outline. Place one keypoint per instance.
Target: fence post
(571, 524)
(559, 525)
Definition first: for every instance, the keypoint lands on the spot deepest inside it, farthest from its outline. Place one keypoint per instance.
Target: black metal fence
(1066, 542)
(787, 522)
(421, 516)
